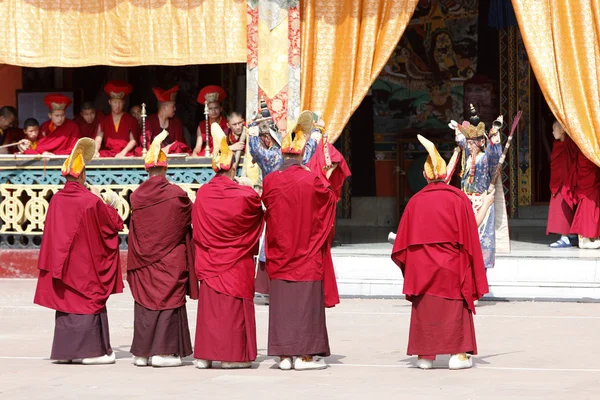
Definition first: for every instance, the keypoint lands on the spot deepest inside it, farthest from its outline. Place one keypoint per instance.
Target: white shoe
(203, 364)
(140, 361)
(460, 361)
(285, 363)
(476, 303)
(306, 363)
(166, 361)
(424, 363)
(105, 359)
(235, 365)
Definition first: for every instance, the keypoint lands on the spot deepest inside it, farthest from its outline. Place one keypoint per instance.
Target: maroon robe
(437, 248)
(9, 136)
(586, 221)
(175, 138)
(114, 141)
(56, 140)
(79, 258)
(560, 212)
(161, 267)
(228, 221)
(317, 165)
(89, 130)
(202, 125)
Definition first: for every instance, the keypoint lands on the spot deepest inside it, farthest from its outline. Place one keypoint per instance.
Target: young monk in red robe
(321, 164)
(562, 165)
(228, 220)
(165, 120)
(437, 248)
(585, 182)
(212, 97)
(299, 217)
(119, 131)
(160, 268)
(88, 120)
(79, 264)
(59, 134)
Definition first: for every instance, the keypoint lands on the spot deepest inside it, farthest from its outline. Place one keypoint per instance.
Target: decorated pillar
(273, 65)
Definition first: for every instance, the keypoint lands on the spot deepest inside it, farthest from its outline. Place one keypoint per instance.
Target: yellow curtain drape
(345, 45)
(562, 39)
(76, 33)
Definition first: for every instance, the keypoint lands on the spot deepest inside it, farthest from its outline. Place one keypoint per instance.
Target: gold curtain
(345, 45)
(75, 33)
(562, 38)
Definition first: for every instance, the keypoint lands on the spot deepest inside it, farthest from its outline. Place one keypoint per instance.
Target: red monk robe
(89, 130)
(562, 166)
(228, 221)
(175, 138)
(12, 135)
(437, 248)
(79, 269)
(586, 221)
(56, 140)
(202, 126)
(299, 217)
(161, 268)
(317, 165)
(116, 138)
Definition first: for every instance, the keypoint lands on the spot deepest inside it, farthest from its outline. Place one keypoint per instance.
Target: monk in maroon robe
(321, 165)
(228, 220)
(437, 248)
(211, 97)
(79, 264)
(59, 134)
(88, 120)
(119, 131)
(165, 119)
(562, 165)
(299, 217)
(160, 266)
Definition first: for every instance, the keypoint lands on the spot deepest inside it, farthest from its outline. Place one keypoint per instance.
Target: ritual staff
(437, 248)
(228, 220)
(562, 165)
(88, 120)
(211, 97)
(585, 182)
(327, 158)
(79, 264)
(165, 119)
(119, 131)
(300, 211)
(59, 134)
(160, 268)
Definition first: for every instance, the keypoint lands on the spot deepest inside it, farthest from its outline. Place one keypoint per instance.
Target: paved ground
(527, 351)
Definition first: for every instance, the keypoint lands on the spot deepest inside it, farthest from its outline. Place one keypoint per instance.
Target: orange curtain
(345, 45)
(562, 38)
(42, 33)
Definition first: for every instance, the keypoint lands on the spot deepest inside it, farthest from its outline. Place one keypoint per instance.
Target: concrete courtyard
(527, 351)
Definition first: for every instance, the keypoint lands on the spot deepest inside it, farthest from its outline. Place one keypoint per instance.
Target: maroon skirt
(225, 327)
(80, 336)
(161, 332)
(297, 325)
(440, 326)
(560, 216)
(586, 221)
(261, 282)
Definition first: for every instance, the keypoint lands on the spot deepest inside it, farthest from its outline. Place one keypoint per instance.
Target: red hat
(57, 101)
(117, 89)
(166, 95)
(211, 94)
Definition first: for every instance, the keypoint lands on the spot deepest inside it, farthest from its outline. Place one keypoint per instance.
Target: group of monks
(118, 134)
(204, 249)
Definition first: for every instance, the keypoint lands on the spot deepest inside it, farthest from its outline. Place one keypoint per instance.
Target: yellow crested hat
(155, 156)
(222, 154)
(472, 131)
(435, 166)
(298, 134)
(82, 153)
